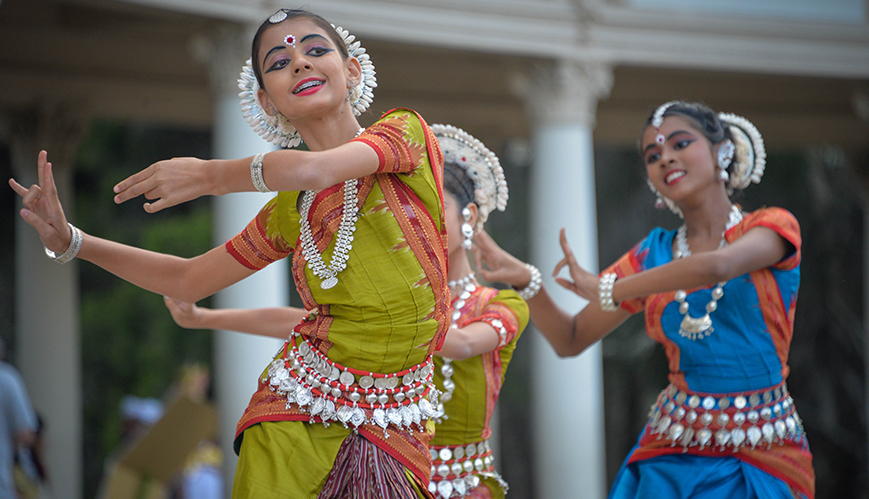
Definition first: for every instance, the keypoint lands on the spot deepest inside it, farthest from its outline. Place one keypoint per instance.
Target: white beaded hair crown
(749, 160)
(277, 129)
(480, 164)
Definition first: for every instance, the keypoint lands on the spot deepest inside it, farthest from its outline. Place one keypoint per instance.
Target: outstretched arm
(188, 279)
(275, 322)
(568, 334)
(758, 248)
(178, 180)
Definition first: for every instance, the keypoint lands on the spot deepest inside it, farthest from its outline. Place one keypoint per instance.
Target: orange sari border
(791, 462)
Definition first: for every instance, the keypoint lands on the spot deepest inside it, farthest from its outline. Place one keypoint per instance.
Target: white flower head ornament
(480, 164)
(748, 156)
(277, 129)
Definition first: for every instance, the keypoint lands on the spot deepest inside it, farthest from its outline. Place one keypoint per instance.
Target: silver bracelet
(605, 292)
(73, 249)
(534, 284)
(256, 173)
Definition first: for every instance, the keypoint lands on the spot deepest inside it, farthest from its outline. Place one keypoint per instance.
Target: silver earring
(723, 175)
(725, 154)
(467, 230)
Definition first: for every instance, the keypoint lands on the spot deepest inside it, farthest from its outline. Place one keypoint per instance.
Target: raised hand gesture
(496, 265)
(42, 208)
(584, 283)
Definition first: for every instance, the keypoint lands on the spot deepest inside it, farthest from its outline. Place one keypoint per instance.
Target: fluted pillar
(567, 394)
(47, 340)
(239, 359)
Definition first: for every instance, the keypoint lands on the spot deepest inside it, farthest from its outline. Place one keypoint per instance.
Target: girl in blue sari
(719, 293)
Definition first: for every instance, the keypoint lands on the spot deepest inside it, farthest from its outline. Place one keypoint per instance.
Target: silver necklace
(695, 328)
(344, 237)
(468, 286)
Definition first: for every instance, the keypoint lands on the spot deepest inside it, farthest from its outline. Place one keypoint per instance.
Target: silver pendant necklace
(697, 328)
(344, 237)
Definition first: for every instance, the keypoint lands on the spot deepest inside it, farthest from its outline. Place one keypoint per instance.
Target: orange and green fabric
(388, 311)
(479, 379)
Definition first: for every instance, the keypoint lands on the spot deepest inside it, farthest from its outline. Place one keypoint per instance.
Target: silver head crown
(480, 164)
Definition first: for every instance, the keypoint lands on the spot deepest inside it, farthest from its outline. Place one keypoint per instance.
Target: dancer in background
(485, 325)
(346, 410)
(719, 294)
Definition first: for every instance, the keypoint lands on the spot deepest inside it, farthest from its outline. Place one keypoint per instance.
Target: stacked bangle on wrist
(534, 284)
(605, 292)
(256, 173)
(73, 249)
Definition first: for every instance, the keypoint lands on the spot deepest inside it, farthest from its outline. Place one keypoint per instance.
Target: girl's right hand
(42, 208)
(496, 265)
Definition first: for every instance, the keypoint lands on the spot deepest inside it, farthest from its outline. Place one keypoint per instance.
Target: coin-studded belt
(332, 392)
(456, 469)
(725, 421)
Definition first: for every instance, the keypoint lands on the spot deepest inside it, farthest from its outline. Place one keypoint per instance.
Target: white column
(239, 359)
(47, 341)
(567, 394)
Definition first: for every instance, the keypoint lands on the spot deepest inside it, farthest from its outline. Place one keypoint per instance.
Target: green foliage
(130, 344)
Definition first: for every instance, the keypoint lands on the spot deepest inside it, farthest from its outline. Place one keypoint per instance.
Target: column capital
(57, 126)
(224, 51)
(564, 91)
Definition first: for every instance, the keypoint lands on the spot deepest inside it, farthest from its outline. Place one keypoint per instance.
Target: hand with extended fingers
(42, 208)
(170, 182)
(584, 283)
(496, 265)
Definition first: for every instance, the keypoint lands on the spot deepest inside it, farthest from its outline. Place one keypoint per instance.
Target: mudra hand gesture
(584, 283)
(496, 265)
(42, 208)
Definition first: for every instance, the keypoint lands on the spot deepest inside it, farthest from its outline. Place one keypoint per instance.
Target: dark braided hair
(457, 183)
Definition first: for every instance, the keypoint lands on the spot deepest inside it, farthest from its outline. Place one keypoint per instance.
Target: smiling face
(304, 73)
(682, 163)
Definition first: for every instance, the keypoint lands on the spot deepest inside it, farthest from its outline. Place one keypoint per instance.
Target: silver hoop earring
(467, 230)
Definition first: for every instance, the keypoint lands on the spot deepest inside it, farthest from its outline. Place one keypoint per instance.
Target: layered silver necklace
(697, 328)
(344, 237)
(466, 285)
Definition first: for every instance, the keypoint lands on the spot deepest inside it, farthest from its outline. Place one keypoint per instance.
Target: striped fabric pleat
(364, 471)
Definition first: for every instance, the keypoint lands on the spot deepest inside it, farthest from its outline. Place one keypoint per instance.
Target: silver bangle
(534, 284)
(73, 249)
(605, 292)
(256, 173)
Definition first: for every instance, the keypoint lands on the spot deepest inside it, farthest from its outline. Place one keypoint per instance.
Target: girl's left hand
(186, 315)
(170, 182)
(584, 283)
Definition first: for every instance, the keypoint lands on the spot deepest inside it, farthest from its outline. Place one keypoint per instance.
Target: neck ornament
(461, 283)
(344, 238)
(697, 328)
(468, 285)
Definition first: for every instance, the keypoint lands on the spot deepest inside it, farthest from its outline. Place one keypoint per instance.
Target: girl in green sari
(485, 326)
